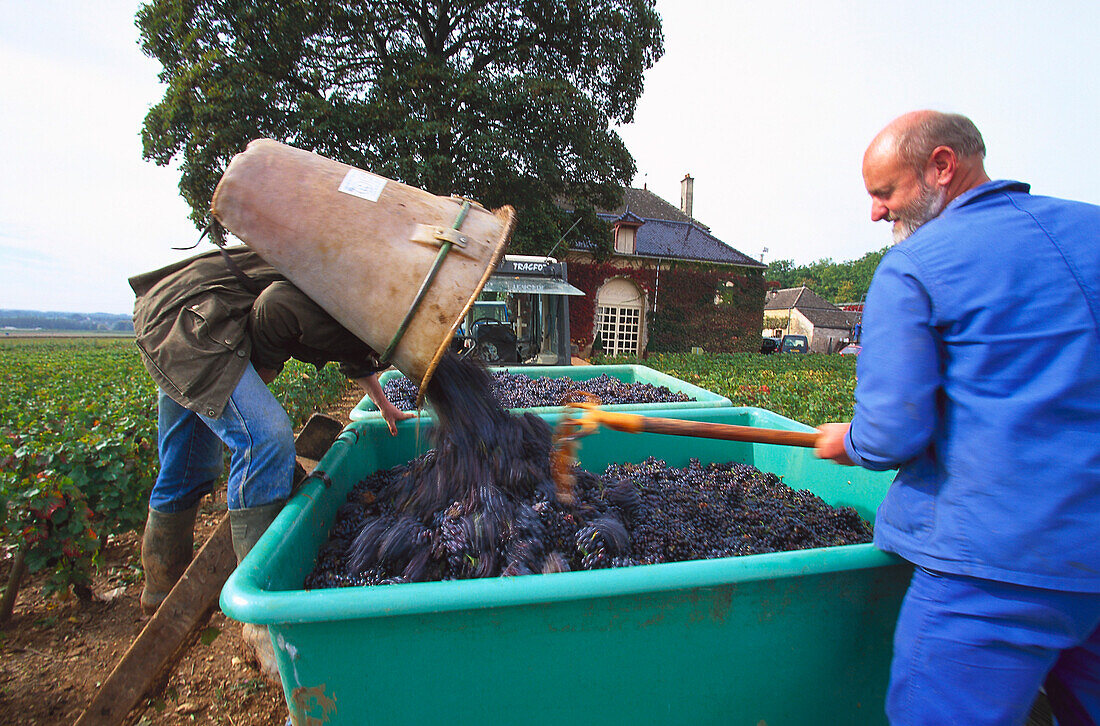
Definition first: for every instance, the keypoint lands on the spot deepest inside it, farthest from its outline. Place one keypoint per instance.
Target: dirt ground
(55, 653)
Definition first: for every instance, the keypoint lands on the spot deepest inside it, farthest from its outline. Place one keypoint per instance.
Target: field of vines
(78, 432)
(813, 389)
(78, 438)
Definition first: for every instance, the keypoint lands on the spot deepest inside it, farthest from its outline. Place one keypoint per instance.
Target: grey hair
(952, 130)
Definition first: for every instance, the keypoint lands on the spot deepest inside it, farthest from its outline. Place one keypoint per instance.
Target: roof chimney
(687, 185)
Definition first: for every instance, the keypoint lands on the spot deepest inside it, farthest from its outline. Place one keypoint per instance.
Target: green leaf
(209, 635)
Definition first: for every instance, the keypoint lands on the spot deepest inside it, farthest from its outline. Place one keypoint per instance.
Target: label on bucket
(362, 184)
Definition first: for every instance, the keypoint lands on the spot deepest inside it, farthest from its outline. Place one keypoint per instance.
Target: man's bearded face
(925, 207)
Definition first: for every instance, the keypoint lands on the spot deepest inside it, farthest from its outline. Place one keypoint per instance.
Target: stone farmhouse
(801, 311)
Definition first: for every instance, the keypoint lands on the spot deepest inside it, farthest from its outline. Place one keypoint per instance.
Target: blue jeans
(973, 651)
(260, 439)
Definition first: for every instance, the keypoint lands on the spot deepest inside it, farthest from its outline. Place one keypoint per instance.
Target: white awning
(536, 285)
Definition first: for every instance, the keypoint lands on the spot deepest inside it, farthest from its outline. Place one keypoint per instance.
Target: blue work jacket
(979, 380)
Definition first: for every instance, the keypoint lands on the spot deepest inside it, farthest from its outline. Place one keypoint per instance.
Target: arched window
(620, 306)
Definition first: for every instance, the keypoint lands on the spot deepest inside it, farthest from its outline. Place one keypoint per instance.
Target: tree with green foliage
(505, 101)
(834, 281)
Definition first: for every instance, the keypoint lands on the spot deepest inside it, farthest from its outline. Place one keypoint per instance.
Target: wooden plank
(186, 608)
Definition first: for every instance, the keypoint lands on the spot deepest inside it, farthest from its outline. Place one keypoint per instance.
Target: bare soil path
(54, 653)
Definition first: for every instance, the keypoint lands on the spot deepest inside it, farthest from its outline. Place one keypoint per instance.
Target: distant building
(670, 284)
(855, 313)
(801, 311)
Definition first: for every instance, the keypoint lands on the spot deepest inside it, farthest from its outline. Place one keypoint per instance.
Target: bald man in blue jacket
(979, 381)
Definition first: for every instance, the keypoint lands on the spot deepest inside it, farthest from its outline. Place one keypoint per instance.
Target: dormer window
(624, 233)
(625, 238)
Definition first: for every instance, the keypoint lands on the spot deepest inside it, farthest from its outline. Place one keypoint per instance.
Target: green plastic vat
(786, 638)
(366, 410)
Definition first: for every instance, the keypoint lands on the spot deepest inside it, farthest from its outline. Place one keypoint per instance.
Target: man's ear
(942, 165)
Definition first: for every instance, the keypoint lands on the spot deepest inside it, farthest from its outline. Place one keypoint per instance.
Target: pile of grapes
(515, 390)
(483, 504)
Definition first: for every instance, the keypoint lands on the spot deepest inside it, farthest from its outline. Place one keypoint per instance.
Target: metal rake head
(563, 451)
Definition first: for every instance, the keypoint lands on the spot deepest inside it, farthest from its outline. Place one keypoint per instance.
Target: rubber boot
(166, 551)
(246, 526)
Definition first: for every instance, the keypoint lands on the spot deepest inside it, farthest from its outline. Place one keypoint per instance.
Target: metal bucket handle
(445, 242)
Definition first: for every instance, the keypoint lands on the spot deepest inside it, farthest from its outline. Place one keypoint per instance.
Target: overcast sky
(769, 105)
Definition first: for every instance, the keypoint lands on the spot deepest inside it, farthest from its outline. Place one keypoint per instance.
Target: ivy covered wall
(716, 308)
(590, 276)
(687, 314)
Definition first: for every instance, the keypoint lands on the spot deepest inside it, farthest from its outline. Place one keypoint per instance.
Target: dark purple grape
(516, 390)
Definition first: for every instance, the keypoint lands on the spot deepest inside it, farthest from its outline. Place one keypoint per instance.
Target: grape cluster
(482, 503)
(515, 390)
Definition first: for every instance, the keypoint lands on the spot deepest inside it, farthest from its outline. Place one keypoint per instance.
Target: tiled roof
(784, 299)
(647, 205)
(817, 309)
(628, 216)
(686, 241)
(667, 232)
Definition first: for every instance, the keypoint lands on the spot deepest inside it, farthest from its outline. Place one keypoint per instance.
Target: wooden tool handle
(161, 642)
(729, 432)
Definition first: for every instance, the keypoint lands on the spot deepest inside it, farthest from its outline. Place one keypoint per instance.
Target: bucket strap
(251, 284)
(447, 241)
(214, 229)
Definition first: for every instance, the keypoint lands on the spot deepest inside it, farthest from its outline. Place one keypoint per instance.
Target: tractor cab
(521, 316)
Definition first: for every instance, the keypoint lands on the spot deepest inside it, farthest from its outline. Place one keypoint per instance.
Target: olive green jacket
(198, 326)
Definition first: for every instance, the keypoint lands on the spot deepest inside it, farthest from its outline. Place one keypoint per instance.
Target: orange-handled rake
(572, 427)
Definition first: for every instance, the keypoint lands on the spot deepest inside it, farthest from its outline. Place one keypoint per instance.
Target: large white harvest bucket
(395, 265)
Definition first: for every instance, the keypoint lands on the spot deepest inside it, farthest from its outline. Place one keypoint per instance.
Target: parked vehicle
(851, 349)
(522, 315)
(785, 344)
(794, 344)
(769, 345)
